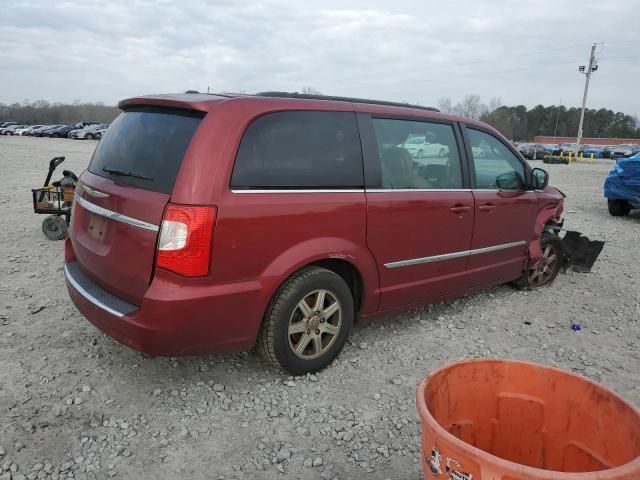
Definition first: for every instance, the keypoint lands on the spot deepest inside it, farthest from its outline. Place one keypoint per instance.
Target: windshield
(415, 140)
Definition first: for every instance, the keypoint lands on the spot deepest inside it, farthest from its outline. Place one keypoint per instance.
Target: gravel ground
(75, 404)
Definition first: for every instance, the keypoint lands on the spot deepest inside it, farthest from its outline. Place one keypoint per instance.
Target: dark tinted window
(146, 142)
(300, 150)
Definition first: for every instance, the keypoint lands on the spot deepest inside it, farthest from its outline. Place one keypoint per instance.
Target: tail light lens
(184, 245)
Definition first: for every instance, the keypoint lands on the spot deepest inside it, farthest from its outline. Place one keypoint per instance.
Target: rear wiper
(122, 173)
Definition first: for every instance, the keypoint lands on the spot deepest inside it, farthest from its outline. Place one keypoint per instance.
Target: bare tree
(444, 105)
(494, 104)
(42, 112)
(470, 107)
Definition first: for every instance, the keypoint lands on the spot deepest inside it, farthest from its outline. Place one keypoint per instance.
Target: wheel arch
(353, 263)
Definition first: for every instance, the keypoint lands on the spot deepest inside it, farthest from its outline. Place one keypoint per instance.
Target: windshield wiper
(122, 173)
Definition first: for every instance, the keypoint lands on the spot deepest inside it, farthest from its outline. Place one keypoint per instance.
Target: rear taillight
(184, 245)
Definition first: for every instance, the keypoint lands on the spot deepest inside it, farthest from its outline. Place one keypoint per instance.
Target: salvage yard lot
(75, 403)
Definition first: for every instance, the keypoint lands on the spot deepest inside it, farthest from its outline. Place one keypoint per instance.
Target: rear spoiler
(199, 102)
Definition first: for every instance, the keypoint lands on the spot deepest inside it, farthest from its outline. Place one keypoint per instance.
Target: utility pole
(581, 69)
(555, 130)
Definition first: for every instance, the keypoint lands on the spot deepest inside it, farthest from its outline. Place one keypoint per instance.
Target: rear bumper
(176, 316)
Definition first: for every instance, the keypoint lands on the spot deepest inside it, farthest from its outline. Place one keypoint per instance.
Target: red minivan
(211, 223)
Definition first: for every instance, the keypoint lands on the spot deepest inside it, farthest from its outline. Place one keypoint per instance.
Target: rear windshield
(144, 147)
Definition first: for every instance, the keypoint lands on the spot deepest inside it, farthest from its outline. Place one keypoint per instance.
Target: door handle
(489, 207)
(460, 208)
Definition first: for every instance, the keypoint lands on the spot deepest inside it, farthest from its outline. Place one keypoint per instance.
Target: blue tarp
(623, 182)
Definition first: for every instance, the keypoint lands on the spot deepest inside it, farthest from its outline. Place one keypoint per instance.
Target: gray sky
(417, 51)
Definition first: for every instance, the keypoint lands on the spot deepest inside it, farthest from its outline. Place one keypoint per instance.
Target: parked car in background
(595, 150)
(625, 151)
(419, 147)
(100, 132)
(622, 186)
(207, 223)
(33, 129)
(61, 132)
(564, 148)
(44, 131)
(7, 124)
(607, 151)
(86, 133)
(11, 129)
(26, 130)
(534, 150)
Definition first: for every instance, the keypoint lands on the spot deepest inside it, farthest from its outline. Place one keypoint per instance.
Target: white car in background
(25, 130)
(87, 133)
(100, 132)
(419, 148)
(11, 129)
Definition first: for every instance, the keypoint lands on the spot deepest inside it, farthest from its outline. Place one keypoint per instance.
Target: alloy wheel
(541, 273)
(315, 324)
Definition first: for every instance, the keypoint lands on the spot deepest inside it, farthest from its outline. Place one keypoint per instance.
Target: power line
(487, 60)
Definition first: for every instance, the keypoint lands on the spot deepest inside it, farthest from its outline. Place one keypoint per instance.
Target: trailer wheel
(55, 228)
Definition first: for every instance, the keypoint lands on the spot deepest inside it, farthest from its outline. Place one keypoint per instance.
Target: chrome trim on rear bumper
(118, 217)
(88, 296)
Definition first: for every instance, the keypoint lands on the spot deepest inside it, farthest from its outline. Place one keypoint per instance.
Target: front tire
(546, 270)
(89, 136)
(307, 321)
(619, 208)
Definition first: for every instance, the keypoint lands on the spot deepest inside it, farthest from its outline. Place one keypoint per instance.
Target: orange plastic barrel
(512, 420)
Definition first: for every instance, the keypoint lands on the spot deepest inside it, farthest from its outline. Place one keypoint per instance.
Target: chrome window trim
(118, 217)
(88, 296)
(395, 190)
(452, 255)
(299, 190)
(368, 190)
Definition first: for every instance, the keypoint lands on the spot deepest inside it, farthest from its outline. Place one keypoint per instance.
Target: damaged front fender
(549, 214)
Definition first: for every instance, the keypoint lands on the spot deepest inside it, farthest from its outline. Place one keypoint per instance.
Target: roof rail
(307, 96)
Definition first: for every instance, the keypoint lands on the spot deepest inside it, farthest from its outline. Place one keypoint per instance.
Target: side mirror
(539, 179)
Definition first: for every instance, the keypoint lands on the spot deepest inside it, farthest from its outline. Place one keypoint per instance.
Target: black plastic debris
(580, 252)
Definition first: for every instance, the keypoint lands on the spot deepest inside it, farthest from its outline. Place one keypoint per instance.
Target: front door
(419, 216)
(505, 211)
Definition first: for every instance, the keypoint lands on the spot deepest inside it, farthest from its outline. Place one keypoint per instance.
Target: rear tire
(307, 321)
(89, 136)
(54, 227)
(547, 269)
(619, 208)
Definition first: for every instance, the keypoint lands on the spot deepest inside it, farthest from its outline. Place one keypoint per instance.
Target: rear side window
(144, 147)
(300, 150)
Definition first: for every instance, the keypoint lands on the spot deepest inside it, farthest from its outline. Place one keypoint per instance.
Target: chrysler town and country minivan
(212, 223)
